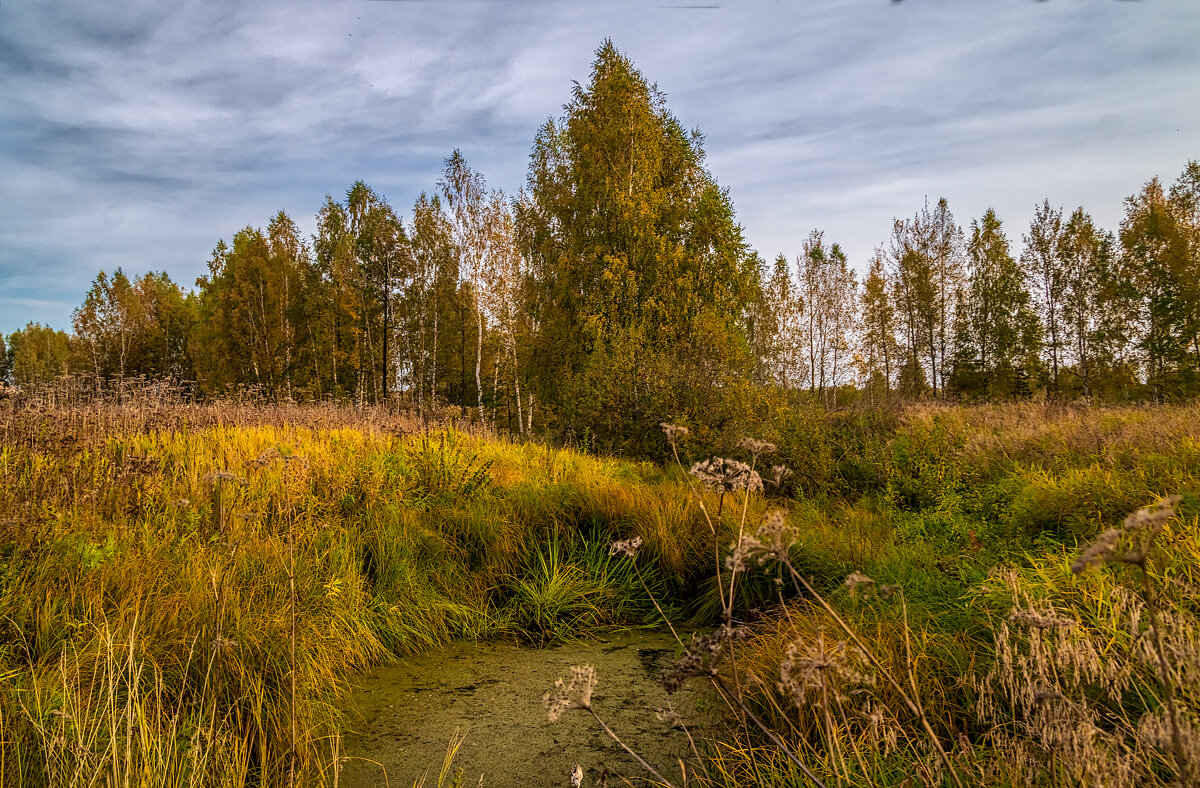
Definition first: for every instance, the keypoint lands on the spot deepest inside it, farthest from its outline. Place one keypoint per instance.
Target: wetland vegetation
(151, 623)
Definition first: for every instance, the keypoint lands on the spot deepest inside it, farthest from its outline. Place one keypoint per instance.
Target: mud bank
(492, 693)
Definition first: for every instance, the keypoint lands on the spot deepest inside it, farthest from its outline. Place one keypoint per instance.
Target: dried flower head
(575, 694)
(674, 432)
(1036, 620)
(776, 535)
(888, 590)
(756, 448)
(1044, 696)
(265, 459)
(1152, 518)
(779, 474)
(701, 657)
(669, 716)
(220, 643)
(627, 547)
(269, 456)
(812, 669)
(857, 579)
(744, 553)
(1103, 549)
(720, 473)
(1142, 528)
(213, 477)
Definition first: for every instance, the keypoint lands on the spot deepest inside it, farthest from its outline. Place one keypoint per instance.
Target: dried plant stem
(913, 705)
(723, 688)
(695, 752)
(292, 592)
(1168, 686)
(741, 532)
(835, 754)
(382, 768)
(650, 594)
(910, 667)
(727, 614)
(678, 640)
(734, 699)
(712, 525)
(612, 735)
(854, 745)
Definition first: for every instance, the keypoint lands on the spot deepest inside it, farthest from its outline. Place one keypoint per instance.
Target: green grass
(146, 610)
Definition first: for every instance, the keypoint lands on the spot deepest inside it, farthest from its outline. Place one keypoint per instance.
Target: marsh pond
(405, 714)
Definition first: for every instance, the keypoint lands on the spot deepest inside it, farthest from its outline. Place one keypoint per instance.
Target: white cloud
(138, 134)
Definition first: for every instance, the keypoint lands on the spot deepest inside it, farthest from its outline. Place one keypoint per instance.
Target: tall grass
(848, 684)
(163, 590)
(166, 577)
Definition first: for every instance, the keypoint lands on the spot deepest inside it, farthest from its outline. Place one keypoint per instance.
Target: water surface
(492, 692)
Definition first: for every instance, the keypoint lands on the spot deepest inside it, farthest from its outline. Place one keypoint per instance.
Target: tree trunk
(495, 388)
(479, 356)
(517, 389)
(387, 316)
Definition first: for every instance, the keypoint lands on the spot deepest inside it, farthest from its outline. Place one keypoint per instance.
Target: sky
(138, 134)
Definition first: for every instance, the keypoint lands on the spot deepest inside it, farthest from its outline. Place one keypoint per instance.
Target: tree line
(615, 290)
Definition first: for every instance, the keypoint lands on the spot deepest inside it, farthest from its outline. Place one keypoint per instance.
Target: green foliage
(926, 467)
(997, 333)
(38, 354)
(553, 598)
(1073, 502)
(140, 327)
(446, 469)
(401, 544)
(1159, 236)
(927, 261)
(248, 331)
(639, 267)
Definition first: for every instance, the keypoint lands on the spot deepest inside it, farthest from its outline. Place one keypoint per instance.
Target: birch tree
(827, 286)
(1043, 262)
(879, 352)
(107, 324)
(465, 192)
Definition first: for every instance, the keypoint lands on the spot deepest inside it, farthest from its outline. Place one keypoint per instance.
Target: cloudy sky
(137, 134)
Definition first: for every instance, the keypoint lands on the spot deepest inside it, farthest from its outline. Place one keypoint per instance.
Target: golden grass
(146, 610)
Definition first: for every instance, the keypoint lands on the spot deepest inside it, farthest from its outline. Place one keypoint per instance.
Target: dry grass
(147, 550)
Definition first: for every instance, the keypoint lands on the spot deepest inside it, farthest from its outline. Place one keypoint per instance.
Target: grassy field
(186, 591)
